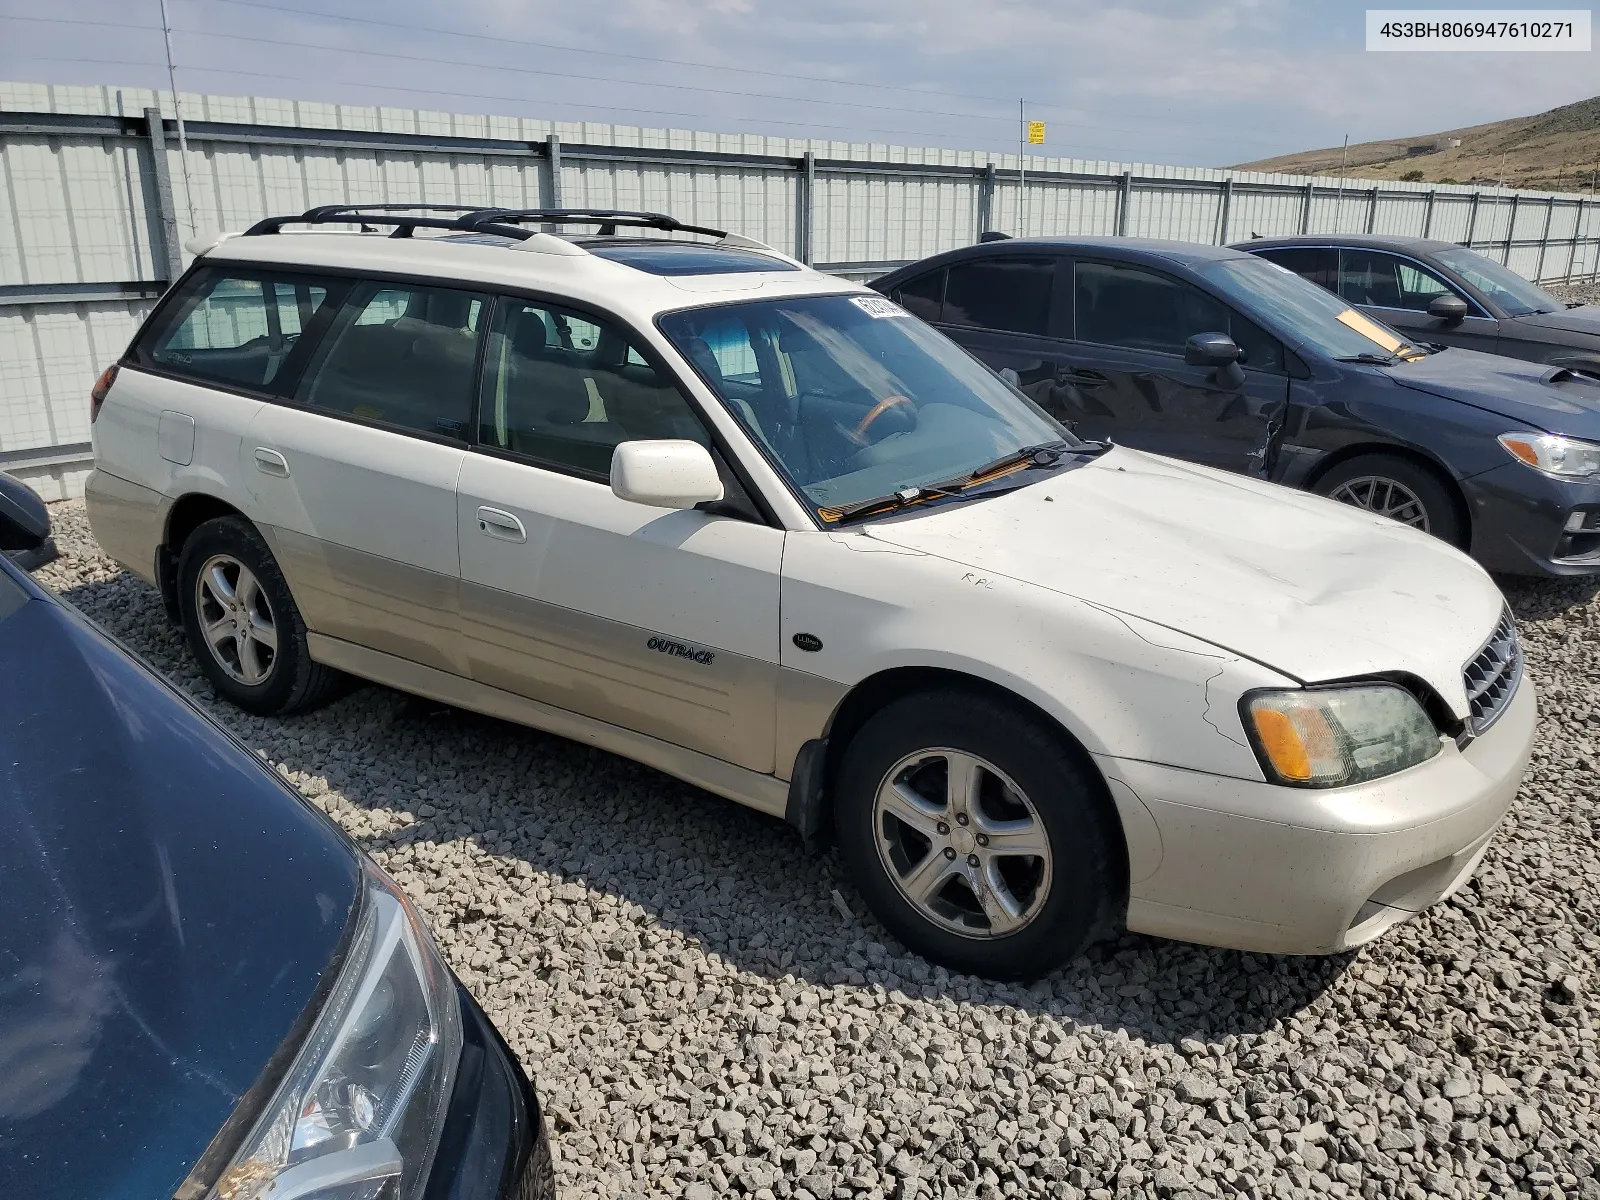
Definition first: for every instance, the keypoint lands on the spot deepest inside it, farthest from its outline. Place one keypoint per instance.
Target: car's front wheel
(242, 624)
(1399, 489)
(980, 838)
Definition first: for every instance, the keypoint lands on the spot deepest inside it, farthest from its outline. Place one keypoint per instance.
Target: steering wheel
(878, 409)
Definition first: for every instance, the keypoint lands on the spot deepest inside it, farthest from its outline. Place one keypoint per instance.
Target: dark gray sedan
(1444, 293)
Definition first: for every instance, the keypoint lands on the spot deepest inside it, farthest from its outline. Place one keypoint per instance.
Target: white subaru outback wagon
(691, 502)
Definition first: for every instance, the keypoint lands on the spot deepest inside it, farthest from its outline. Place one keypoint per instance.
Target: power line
(477, 65)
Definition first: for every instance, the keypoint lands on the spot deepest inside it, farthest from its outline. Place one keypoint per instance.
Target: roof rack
(507, 222)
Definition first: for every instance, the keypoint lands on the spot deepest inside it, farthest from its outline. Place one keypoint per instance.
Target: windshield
(1501, 284)
(853, 397)
(1311, 316)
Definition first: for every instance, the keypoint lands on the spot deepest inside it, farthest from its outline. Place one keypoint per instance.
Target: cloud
(1182, 81)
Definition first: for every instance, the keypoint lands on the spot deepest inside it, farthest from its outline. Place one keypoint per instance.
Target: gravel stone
(708, 1010)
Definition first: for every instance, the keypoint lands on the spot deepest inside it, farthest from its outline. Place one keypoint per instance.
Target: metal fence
(96, 201)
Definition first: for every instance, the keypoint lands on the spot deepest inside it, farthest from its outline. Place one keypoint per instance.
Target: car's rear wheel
(243, 627)
(1399, 489)
(980, 838)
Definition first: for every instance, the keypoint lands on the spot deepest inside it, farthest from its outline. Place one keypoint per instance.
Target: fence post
(1124, 202)
(1372, 212)
(552, 151)
(1544, 238)
(1222, 217)
(1511, 229)
(1472, 219)
(1427, 219)
(1577, 230)
(806, 234)
(986, 201)
(171, 249)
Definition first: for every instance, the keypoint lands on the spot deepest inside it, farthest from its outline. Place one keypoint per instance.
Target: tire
(1062, 901)
(260, 662)
(1398, 488)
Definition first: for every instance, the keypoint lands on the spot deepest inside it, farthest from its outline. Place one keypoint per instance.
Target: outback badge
(679, 650)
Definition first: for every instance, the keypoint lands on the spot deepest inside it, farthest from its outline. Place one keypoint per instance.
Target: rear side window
(234, 328)
(566, 389)
(1144, 310)
(1313, 263)
(922, 296)
(401, 355)
(1008, 294)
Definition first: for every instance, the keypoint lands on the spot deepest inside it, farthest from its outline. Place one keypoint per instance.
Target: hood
(170, 912)
(1517, 390)
(1311, 588)
(1583, 319)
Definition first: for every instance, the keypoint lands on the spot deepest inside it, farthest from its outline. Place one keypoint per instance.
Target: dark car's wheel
(979, 838)
(243, 627)
(1397, 488)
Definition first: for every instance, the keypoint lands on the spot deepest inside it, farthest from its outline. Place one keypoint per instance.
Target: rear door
(1124, 378)
(1397, 290)
(1006, 310)
(355, 478)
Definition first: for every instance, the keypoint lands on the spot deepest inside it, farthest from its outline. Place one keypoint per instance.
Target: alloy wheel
(963, 844)
(1386, 497)
(236, 619)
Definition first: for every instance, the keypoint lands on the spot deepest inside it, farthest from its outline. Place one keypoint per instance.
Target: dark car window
(922, 296)
(1318, 264)
(1504, 286)
(1118, 305)
(402, 354)
(1008, 294)
(565, 388)
(1382, 280)
(234, 327)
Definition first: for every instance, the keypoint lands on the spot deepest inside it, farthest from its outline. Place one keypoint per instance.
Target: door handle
(1082, 379)
(497, 523)
(270, 462)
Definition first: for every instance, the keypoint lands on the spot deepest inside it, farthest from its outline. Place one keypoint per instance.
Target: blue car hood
(1528, 394)
(170, 912)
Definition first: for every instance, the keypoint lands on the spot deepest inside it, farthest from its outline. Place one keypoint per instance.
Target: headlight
(358, 1115)
(1333, 736)
(1563, 457)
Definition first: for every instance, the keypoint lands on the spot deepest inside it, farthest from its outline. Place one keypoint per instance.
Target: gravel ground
(708, 1011)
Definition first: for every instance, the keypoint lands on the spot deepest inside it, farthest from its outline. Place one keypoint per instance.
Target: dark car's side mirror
(1449, 309)
(24, 525)
(1216, 350)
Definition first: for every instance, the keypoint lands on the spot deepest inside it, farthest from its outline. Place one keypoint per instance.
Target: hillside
(1554, 151)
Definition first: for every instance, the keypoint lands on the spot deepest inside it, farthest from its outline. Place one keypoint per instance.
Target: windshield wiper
(1376, 360)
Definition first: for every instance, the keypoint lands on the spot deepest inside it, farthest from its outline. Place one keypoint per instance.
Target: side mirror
(667, 473)
(24, 525)
(1210, 350)
(1448, 309)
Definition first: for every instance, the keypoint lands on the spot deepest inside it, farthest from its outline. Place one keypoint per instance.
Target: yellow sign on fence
(1036, 133)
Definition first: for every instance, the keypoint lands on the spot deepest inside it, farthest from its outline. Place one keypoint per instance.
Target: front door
(356, 479)
(1398, 290)
(1123, 376)
(659, 621)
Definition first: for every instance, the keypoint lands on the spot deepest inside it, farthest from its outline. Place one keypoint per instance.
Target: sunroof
(684, 258)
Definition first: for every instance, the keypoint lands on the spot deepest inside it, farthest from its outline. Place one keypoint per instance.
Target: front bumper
(494, 1145)
(1519, 518)
(1256, 866)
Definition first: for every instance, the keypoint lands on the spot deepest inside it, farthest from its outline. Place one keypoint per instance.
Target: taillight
(102, 388)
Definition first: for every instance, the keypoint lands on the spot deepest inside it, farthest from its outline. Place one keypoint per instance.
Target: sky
(1186, 82)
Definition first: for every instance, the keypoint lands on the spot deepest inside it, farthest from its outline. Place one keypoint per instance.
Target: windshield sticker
(877, 306)
(1371, 330)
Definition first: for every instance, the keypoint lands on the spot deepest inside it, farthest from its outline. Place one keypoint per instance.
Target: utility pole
(177, 111)
(1338, 211)
(1022, 174)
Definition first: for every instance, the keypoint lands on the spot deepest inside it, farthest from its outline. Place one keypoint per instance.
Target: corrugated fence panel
(83, 247)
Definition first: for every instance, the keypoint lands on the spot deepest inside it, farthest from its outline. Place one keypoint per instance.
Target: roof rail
(467, 218)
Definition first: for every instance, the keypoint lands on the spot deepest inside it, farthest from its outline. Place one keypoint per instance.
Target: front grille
(1491, 677)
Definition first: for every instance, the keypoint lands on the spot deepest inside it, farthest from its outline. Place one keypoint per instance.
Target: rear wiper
(1376, 360)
